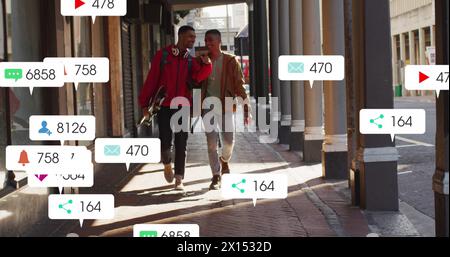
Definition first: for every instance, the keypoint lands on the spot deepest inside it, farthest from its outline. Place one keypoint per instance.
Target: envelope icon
(112, 150)
(296, 67)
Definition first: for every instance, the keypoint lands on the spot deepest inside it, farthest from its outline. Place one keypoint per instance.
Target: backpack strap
(163, 62)
(190, 65)
(190, 81)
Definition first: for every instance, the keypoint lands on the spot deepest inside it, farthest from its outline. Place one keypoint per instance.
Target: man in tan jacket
(226, 81)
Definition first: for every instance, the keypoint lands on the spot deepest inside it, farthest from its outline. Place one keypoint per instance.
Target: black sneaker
(215, 184)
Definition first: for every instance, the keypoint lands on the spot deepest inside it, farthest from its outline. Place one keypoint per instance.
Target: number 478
(443, 77)
(109, 4)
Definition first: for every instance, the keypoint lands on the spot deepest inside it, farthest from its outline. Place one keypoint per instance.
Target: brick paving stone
(145, 197)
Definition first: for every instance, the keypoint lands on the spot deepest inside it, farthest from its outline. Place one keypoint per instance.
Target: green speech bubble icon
(15, 74)
(148, 234)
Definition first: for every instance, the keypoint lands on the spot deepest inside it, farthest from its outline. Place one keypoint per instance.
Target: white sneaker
(179, 183)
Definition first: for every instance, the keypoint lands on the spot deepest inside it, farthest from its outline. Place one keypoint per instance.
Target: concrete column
(285, 86)
(395, 74)
(422, 47)
(422, 54)
(412, 54)
(440, 177)
(350, 99)
(412, 48)
(5, 128)
(334, 151)
(377, 156)
(297, 94)
(114, 51)
(402, 62)
(6, 177)
(433, 35)
(274, 54)
(314, 134)
(251, 40)
(432, 43)
(261, 56)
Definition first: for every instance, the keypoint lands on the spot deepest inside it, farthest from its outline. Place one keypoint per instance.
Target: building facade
(229, 23)
(413, 39)
(33, 30)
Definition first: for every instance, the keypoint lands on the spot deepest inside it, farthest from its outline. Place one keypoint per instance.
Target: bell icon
(23, 158)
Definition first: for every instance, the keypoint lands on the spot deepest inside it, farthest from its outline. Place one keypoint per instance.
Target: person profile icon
(44, 129)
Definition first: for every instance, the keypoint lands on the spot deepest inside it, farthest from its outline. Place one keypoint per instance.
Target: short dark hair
(185, 29)
(214, 32)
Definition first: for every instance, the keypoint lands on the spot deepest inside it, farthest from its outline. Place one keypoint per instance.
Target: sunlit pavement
(314, 207)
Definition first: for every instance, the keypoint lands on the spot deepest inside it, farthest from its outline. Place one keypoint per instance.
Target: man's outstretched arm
(201, 68)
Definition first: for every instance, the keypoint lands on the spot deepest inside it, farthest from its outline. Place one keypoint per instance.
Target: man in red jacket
(173, 68)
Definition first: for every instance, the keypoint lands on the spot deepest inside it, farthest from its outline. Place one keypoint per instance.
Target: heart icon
(41, 177)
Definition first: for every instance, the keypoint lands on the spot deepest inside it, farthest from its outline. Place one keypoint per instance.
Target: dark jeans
(165, 135)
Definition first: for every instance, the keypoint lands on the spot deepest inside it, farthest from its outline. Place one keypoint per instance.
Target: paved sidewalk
(314, 207)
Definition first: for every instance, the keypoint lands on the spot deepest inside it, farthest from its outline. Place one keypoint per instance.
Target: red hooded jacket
(174, 77)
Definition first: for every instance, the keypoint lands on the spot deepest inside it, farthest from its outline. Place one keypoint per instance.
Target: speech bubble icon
(14, 74)
(254, 186)
(392, 122)
(81, 207)
(128, 150)
(158, 230)
(427, 77)
(94, 8)
(311, 68)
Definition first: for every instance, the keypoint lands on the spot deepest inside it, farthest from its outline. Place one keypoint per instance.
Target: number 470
(320, 67)
(108, 3)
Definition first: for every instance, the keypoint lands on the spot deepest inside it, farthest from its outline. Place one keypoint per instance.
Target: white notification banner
(392, 121)
(128, 150)
(254, 186)
(62, 128)
(93, 8)
(80, 207)
(83, 70)
(311, 68)
(31, 75)
(427, 77)
(50, 158)
(75, 177)
(166, 230)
